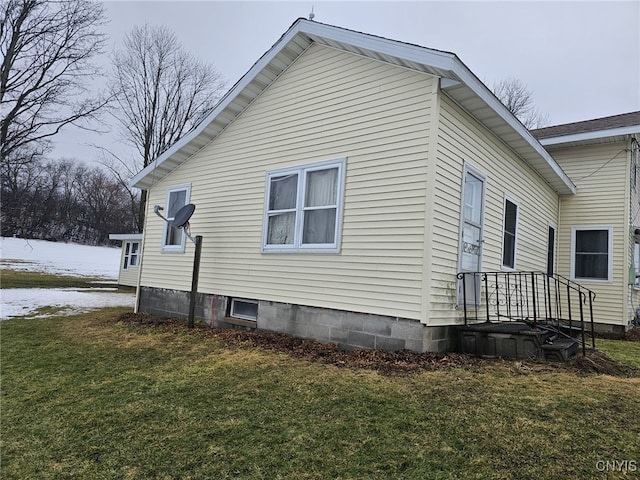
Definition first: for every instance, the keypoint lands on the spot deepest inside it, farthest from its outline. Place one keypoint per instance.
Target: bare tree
(122, 172)
(47, 48)
(519, 101)
(161, 91)
(64, 200)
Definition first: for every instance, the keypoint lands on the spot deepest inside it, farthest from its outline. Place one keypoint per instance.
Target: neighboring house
(340, 186)
(130, 257)
(599, 227)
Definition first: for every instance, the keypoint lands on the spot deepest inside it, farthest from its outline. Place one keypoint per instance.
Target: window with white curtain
(304, 208)
(592, 252)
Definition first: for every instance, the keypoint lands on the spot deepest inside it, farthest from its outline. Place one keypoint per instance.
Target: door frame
(469, 169)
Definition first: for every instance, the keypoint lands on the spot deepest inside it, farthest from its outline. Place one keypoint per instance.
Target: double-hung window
(131, 253)
(591, 253)
(509, 233)
(303, 208)
(174, 237)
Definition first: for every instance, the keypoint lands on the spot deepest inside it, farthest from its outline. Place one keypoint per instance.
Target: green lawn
(627, 353)
(90, 399)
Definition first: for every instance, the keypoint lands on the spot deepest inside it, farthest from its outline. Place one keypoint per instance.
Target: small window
(131, 255)
(174, 238)
(245, 309)
(551, 250)
(303, 208)
(591, 253)
(509, 234)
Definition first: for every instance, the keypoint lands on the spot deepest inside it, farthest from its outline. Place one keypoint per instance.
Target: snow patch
(59, 259)
(25, 302)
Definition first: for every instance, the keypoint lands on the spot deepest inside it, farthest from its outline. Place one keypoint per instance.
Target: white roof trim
(226, 100)
(480, 89)
(125, 236)
(458, 81)
(580, 137)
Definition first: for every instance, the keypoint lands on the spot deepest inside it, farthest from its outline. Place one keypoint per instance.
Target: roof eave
(125, 236)
(458, 82)
(590, 136)
(497, 118)
(146, 177)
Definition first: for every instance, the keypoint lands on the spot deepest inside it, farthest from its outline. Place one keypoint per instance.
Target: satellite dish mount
(181, 220)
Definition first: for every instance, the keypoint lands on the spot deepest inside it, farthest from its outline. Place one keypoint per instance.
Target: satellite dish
(183, 215)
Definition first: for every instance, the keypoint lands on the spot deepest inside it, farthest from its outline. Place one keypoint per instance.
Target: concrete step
(560, 350)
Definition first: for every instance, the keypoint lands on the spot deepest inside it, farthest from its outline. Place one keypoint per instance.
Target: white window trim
(507, 268)
(127, 256)
(175, 248)
(609, 278)
(297, 246)
(232, 312)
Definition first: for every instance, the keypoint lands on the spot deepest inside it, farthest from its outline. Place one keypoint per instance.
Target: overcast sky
(581, 59)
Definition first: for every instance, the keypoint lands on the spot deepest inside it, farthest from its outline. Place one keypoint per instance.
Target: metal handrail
(532, 297)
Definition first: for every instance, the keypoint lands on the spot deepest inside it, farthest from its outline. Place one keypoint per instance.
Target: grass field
(10, 278)
(84, 397)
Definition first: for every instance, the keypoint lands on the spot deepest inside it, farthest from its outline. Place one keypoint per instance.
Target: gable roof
(598, 130)
(457, 81)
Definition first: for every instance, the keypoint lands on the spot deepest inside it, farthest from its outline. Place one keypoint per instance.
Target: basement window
(245, 309)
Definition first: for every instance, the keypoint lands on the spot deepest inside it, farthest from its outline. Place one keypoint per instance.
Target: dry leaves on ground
(386, 362)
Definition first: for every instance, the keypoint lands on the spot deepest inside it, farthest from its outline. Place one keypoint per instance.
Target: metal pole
(581, 297)
(593, 331)
(194, 280)
(534, 299)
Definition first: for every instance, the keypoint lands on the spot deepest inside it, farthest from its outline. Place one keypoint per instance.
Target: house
(602, 221)
(341, 185)
(130, 257)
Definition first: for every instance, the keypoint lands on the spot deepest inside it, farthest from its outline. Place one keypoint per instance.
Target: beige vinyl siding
(600, 174)
(327, 105)
(462, 139)
(633, 301)
(633, 193)
(128, 277)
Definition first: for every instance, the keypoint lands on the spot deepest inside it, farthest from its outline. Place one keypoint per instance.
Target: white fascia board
(446, 62)
(440, 60)
(580, 137)
(480, 89)
(223, 103)
(393, 48)
(125, 236)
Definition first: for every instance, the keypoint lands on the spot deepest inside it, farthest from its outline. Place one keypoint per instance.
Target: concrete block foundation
(349, 330)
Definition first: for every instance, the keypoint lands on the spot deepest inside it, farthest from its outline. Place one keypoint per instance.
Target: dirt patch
(633, 334)
(599, 362)
(386, 362)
